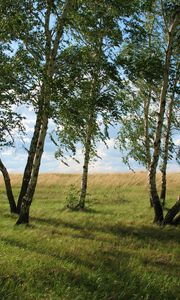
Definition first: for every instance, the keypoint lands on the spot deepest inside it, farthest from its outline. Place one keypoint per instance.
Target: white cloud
(111, 160)
(173, 167)
(29, 125)
(7, 152)
(177, 142)
(31, 109)
(26, 140)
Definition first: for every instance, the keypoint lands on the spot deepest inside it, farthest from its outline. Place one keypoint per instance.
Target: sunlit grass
(110, 251)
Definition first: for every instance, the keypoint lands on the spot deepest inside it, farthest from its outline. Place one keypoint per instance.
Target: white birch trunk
(157, 141)
(9, 192)
(27, 199)
(167, 136)
(84, 180)
(51, 50)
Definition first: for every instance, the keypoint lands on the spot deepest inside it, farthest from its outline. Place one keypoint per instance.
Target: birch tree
(99, 84)
(141, 60)
(168, 144)
(38, 27)
(159, 125)
(86, 102)
(145, 156)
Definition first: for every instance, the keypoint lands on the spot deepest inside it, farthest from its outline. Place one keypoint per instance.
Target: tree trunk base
(158, 219)
(78, 207)
(19, 206)
(23, 218)
(22, 193)
(172, 213)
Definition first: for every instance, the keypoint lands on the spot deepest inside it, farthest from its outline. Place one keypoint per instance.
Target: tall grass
(110, 251)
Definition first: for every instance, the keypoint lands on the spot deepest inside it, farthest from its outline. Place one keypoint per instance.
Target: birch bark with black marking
(51, 50)
(146, 135)
(166, 145)
(170, 216)
(158, 134)
(29, 164)
(9, 192)
(28, 197)
(84, 180)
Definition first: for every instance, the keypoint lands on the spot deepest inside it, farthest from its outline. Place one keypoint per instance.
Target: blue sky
(111, 158)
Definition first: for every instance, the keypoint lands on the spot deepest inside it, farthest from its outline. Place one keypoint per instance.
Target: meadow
(112, 250)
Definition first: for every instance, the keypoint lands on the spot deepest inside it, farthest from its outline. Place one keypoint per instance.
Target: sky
(111, 158)
(110, 162)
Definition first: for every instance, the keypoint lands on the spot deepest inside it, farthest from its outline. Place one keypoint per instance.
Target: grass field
(110, 251)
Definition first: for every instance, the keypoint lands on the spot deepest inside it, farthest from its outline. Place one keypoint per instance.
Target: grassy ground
(110, 251)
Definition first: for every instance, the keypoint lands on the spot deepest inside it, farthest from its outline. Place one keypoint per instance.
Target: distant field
(98, 178)
(111, 251)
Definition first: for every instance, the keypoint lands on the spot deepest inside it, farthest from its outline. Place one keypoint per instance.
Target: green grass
(110, 251)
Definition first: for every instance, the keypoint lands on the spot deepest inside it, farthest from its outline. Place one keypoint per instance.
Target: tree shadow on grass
(86, 210)
(10, 215)
(56, 222)
(105, 274)
(119, 230)
(144, 233)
